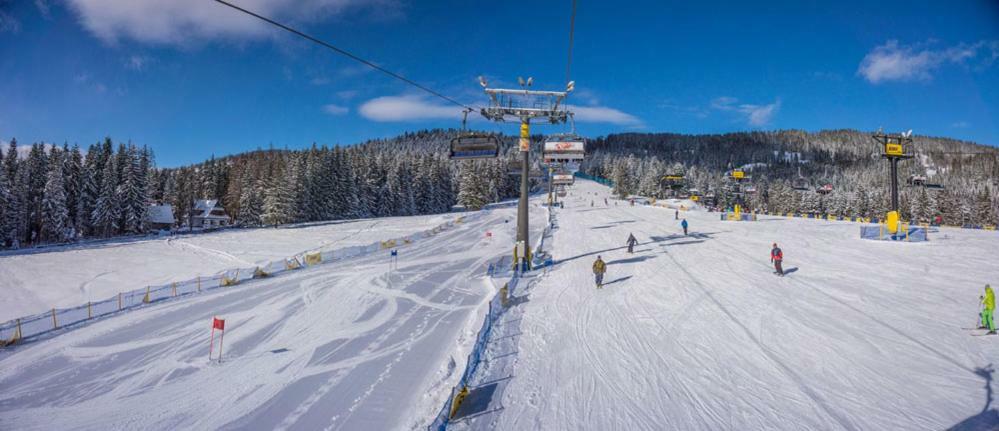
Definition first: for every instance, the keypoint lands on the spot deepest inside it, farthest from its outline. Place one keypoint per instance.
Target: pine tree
(473, 190)
(107, 210)
(55, 215)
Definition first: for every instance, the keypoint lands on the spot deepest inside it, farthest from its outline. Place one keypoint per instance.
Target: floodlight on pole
(482, 81)
(530, 80)
(570, 86)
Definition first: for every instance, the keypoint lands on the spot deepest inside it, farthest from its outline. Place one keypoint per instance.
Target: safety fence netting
(28, 327)
(497, 305)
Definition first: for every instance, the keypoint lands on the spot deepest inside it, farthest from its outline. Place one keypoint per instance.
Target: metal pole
(894, 183)
(549, 169)
(522, 219)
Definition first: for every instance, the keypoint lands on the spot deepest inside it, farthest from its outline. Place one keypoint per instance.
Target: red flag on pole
(220, 325)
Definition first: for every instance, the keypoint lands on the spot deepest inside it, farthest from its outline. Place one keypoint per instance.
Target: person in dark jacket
(631, 243)
(684, 225)
(777, 257)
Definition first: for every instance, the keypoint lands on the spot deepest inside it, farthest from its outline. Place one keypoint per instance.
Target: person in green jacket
(988, 309)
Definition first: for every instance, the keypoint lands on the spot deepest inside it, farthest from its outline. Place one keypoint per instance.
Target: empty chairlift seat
(474, 146)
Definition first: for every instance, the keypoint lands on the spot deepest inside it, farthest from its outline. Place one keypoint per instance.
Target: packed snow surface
(345, 345)
(33, 281)
(696, 332)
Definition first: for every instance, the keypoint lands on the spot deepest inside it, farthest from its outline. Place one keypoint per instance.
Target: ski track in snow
(339, 346)
(694, 332)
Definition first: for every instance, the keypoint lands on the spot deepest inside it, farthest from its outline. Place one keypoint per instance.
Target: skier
(605, 202)
(591, 203)
(777, 256)
(631, 243)
(676, 215)
(684, 225)
(988, 308)
(599, 268)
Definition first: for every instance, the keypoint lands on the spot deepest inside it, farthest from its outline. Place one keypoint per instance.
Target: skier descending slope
(599, 268)
(988, 310)
(684, 225)
(631, 243)
(777, 256)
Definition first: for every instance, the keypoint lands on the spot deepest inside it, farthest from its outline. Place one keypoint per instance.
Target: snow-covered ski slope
(336, 346)
(697, 333)
(37, 280)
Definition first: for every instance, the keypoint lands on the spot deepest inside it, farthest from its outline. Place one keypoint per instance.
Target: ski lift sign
(564, 151)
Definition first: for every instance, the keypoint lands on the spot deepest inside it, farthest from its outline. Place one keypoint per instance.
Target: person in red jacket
(776, 257)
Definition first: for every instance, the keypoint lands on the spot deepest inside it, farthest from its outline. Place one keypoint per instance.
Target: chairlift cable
(572, 28)
(344, 53)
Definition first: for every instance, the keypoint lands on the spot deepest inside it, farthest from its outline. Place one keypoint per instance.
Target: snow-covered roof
(160, 214)
(203, 209)
(205, 204)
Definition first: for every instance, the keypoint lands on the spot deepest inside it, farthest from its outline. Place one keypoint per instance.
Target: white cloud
(754, 115)
(178, 22)
(759, 115)
(960, 125)
(137, 62)
(894, 62)
(9, 24)
(43, 8)
(335, 109)
(407, 108)
(603, 114)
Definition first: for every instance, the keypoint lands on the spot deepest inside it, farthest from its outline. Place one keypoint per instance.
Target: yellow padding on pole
(388, 244)
(457, 401)
(226, 281)
(145, 299)
(17, 334)
(292, 264)
(313, 258)
(259, 273)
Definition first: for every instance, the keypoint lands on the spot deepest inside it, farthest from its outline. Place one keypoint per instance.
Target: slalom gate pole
(211, 342)
(221, 340)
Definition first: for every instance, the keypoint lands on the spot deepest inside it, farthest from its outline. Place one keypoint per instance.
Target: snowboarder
(777, 256)
(599, 268)
(988, 309)
(631, 243)
(684, 225)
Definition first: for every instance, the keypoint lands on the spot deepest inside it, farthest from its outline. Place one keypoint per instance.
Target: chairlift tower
(525, 105)
(894, 147)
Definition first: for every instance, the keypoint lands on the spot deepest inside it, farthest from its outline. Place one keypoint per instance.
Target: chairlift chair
(474, 146)
(564, 148)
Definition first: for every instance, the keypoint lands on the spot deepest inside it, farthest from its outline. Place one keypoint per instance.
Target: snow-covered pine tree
(55, 215)
(107, 209)
(473, 191)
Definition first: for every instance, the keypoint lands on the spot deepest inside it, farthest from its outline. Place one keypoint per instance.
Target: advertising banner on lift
(562, 179)
(564, 150)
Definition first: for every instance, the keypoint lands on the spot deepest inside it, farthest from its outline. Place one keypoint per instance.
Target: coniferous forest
(57, 194)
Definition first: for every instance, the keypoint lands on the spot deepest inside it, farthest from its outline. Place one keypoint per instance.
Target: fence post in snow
(119, 301)
(199, 283)
(89, 312)
(55, 323)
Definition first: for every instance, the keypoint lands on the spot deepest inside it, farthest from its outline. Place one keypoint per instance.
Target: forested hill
(849, 160)
(61, 194)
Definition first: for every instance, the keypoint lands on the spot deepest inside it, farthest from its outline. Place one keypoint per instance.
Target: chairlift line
(343, 52)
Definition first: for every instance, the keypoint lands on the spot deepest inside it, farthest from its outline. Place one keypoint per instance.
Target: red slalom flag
(218, 323)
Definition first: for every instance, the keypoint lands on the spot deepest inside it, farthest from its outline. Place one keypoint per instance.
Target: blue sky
(191, 78)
